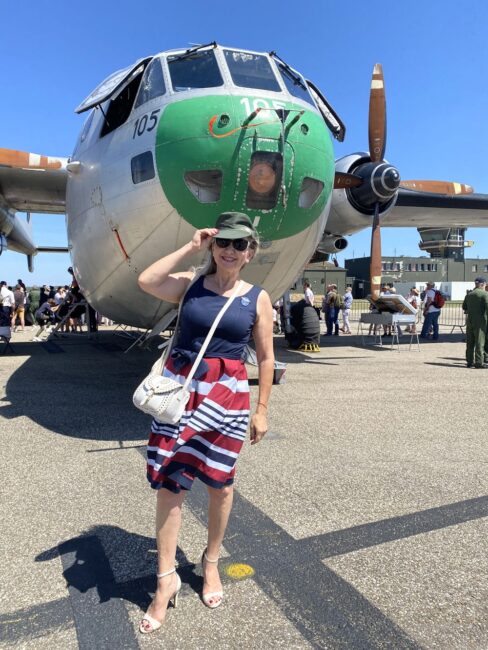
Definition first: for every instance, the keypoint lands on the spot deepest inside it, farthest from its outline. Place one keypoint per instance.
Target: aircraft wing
(33, 183)
(28, 183)
(424, 210)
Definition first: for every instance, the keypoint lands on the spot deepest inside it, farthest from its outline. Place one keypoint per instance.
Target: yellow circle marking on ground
(239, 571)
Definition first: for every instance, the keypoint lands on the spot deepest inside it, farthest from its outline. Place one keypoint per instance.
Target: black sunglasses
(238, 244)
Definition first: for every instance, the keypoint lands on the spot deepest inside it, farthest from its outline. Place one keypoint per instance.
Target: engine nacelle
(332, 244)
(7, 220)
(16, 234)
(347, 215)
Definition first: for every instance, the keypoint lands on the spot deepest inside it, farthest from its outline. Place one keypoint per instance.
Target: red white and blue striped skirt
(207, 441)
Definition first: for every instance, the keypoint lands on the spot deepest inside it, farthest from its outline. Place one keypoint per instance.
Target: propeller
(374, 184)
(377, 145)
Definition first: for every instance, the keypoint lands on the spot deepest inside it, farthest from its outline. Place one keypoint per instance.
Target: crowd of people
(335, 304)
(45, 307)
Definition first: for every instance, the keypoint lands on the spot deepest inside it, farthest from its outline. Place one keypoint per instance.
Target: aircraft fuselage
(138, 189)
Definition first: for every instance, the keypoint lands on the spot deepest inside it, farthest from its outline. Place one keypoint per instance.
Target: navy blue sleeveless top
(198, 312)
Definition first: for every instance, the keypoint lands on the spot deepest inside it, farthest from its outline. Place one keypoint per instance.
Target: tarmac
(360, 521)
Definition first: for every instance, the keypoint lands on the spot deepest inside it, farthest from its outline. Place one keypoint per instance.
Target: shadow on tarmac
(107, 565)
(80, 388)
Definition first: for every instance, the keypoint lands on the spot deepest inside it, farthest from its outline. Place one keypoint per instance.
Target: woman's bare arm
(158, 279)
(263, 338)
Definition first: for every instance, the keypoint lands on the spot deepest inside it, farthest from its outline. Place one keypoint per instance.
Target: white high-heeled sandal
(154, 623)
(214, 594)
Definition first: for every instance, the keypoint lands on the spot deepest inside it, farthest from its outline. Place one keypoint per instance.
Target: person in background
(7, 300)
(330, 310)
(386, 291)
(45, 316)
(45, 294)
(33, 303)
(60, 295)
(475, 306)
(308, 294)
(19, 308)
(346, 328)
(431, 314)
(414, 300)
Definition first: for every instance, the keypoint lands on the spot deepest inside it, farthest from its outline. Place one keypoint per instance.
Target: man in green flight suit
(475, 306)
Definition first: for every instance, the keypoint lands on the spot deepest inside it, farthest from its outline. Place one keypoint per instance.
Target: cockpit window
(295, 84)
(251, 70)
(199, 70)
(152, 83)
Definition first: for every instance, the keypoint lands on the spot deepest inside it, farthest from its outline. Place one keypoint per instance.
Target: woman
(207, 441)
(414, 300)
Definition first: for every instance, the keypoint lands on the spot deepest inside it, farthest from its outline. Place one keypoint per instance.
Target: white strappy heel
(214, 594)
(154, 623)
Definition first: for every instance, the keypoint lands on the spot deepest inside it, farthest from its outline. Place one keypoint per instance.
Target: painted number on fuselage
(259, 102)
(141, 124)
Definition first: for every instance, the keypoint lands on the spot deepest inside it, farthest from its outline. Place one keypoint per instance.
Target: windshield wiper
(191, 51)
(297, 80)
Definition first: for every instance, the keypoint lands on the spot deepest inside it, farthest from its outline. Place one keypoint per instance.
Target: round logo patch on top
(245, 301)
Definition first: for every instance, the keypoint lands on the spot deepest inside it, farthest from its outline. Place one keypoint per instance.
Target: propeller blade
(375, 263)
(343, 180)
(438, 187)
(377, 116)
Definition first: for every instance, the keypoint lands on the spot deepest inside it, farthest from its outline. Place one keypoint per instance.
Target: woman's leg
(219, 507)
(168, 523)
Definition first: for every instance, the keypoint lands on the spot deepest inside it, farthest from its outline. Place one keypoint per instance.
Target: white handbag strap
(210, 334)
(167, 345)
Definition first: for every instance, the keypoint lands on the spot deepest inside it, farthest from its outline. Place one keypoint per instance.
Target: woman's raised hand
(202, 238)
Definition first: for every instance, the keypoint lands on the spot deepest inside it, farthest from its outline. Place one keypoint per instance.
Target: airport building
(415, 271)
(320, 275)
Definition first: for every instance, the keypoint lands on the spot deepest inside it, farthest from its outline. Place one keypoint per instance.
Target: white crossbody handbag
(164, 398)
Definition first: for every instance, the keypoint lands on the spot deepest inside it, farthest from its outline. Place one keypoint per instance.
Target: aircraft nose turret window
(251, 70)
(309, 192)
(205, 185)
(264, 181)
(152, 83)
(198, 70)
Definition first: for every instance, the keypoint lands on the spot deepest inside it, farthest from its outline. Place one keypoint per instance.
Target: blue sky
(434, 56)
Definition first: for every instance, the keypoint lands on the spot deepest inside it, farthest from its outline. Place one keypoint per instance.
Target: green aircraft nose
(214, 155)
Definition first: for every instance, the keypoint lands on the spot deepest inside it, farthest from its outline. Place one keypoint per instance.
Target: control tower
(448, 243)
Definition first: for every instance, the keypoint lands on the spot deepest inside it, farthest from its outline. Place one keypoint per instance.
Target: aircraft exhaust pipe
(332, 244)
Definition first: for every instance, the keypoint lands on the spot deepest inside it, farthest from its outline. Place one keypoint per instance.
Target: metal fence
(452, 314)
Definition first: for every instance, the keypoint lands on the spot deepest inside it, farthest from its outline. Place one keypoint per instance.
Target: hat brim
(235, 233)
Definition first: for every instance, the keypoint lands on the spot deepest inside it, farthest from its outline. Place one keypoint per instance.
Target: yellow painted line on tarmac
(238, 571)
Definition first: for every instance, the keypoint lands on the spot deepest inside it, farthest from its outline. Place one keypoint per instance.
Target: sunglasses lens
(222, 243)
(240, 244)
